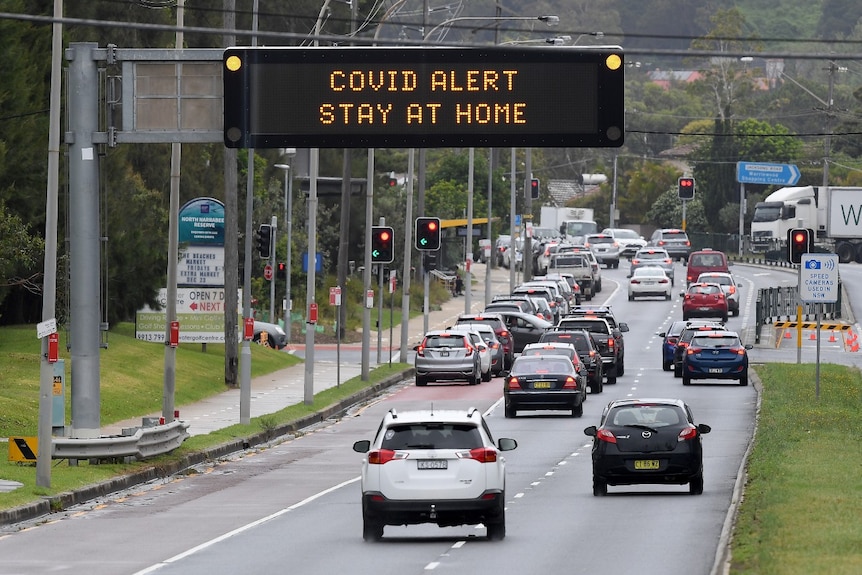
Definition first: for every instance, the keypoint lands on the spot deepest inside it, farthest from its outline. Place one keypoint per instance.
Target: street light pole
(288, 216)
(549, 20)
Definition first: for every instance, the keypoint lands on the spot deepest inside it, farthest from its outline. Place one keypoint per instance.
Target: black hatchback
(647, 441)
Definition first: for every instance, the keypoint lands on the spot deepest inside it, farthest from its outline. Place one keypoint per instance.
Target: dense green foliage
(716, 112)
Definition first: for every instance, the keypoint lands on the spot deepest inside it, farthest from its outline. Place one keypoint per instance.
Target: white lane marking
(244, 528)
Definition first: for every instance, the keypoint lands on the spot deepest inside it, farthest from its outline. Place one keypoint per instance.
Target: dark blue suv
(668, 346)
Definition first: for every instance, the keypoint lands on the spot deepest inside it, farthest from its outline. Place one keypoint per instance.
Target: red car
(704, 300)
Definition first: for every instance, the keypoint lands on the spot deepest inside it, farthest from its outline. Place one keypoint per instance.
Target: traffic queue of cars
(444, 466)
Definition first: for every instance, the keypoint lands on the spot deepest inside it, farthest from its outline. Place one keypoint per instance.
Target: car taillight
(667, 260)
(495, 345)
(480, 454)
(688, 243)
(738, 350)
(611, 343)
(687, 434)
(570, 383)
(592, 353)
(731, 290)
(540, 315)
(683, 344)
(421, 351)
(469, 349)
(672, 340)
(606, 436)
(635, 261)
(513, 383)
(693, 350)
(636, 281)
(381, 456)
(504, 333)
(663, 281)
(661, 242)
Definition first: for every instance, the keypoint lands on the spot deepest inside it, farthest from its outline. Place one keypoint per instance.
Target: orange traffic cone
(786, 334)
(832, 337)
(855, 346)
(813, 335)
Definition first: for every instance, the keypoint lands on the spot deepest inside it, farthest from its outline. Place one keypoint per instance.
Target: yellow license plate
(646, 464)
(542, 385)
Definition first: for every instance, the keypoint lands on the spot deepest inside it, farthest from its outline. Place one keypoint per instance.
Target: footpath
(270, 393)
(275, 391)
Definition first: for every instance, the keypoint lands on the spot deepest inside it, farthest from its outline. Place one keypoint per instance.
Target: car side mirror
(682, 294)
(362, 446)
(506, 444)
(624, 326)
(504, 374)
(703, 428)
(591, 431)
(749, 346)
(416, 347)
(662, 334)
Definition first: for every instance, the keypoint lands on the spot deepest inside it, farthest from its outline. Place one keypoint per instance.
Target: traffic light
(534, 188)
(281, 271)
(427, 234)
(429, 261)
(382, 245)
(264, 241)
(686, 188)
(799, 241)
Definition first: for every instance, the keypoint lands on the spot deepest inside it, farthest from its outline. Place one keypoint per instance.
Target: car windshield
(432, 436)
(566, 260)
(579, 228)
(626, 234)
(601, 240)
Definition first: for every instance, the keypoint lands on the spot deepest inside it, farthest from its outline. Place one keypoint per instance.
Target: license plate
(646, 464)
(716, 370)
(542, 385)
(432, 464)
(444, 354)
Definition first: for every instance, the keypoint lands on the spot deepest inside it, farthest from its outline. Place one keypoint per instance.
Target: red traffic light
(800, 238)
(384, 236)
(427, 233)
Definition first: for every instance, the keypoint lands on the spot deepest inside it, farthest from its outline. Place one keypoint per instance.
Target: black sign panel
(355, 97)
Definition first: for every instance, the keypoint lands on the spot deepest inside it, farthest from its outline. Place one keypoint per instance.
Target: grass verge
(801, 510)
(131, 385)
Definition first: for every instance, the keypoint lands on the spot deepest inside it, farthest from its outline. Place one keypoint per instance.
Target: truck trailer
(834, 213)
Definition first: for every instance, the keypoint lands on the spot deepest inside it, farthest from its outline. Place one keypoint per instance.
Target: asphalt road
(296, 505)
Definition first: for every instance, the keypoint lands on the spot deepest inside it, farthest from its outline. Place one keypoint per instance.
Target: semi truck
(573, 223)
(834, 213)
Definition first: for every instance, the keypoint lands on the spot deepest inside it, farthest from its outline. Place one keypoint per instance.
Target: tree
(666, 212)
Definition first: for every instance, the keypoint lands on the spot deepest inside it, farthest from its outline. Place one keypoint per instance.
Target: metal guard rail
(145, 442)
(776, 303)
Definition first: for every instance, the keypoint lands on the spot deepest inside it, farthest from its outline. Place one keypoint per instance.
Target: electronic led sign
(353, 97)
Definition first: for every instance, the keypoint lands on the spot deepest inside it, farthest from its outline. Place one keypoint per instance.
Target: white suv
(433, 466)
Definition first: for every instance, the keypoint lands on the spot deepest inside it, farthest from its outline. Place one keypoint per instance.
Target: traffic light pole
(272, 266)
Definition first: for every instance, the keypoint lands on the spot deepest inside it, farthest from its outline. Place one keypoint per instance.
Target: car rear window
(713, 342)
(432, 436)
(535, 365)
(674, 235)
(578, 339)
(651, 415)
(705, 289)
(453, 340)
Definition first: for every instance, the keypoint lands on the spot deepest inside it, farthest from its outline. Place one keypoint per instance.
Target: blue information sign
(765, 173)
